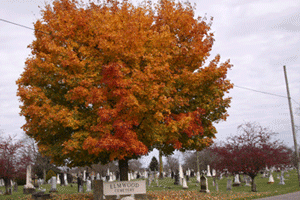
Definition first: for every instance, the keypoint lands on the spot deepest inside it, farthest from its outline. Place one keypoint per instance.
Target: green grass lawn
(167, 190)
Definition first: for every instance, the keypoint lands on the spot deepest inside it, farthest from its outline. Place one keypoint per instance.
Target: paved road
(290, 196)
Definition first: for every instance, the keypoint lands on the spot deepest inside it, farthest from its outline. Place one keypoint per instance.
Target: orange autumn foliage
(111, 80)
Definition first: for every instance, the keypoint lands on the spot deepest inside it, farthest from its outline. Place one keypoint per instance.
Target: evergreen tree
(153, 164)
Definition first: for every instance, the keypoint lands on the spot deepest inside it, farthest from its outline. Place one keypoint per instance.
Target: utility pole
(293, 126)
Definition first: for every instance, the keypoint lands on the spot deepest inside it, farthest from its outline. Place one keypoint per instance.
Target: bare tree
(172, 163)
(206, 157)
(135, 165)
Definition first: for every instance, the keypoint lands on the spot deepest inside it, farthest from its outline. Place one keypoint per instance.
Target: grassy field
(168, 191)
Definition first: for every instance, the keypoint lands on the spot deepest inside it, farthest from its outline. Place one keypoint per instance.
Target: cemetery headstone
(53, 184)
(28, 188)
(214, 173)
(184, 184)
(208, 171)
(236, 181)
(1, 182)
(217, 187)
(271, 179)
(84, 175)
(198, 177)
(88, 186)
(247, 180)
(65, 179)
(229, 184)
(281, 182)
(57, 179)
(203, 184)
(16, 187)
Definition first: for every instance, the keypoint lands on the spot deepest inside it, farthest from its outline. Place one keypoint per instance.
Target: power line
(268, 93)
(22, 26)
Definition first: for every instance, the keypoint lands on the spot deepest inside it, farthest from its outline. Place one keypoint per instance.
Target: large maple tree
(111, 81)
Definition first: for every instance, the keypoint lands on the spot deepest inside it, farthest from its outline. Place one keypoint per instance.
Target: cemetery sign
(124, 188)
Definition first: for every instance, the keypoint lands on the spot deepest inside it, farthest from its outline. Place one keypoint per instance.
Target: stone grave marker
(198, 177)
(57, 179)
(271, 179)
(84, 175)
(203, 184)
(65, 179)
(229, 185)
(184, 184)
(236, 181)
(28, 188)
(208, 171)
(16, 187)
(88, 186)
(53, 184)
(281, 182)
(1, 182)
(247, 180)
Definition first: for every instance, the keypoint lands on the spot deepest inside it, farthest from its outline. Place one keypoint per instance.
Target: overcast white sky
(258, 36)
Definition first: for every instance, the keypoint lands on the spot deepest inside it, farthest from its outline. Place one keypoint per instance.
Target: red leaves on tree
(251, 151)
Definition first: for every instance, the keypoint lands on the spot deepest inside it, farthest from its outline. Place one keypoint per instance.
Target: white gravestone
(184, 184)
(65, 179)
(214, 172)
(281, 180)
(58, 179)
(53, 184)
(28, 178)
(98, 176)
(208, 171)
(229, 187)
(271, 179)
(198, 177)
(84, 175)
(88, 186)
(236, 180)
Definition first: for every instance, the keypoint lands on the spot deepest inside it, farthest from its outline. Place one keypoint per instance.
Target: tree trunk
(161, 176)
(44, 175)
(7, 186)
(123, 168)
(253, 185)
